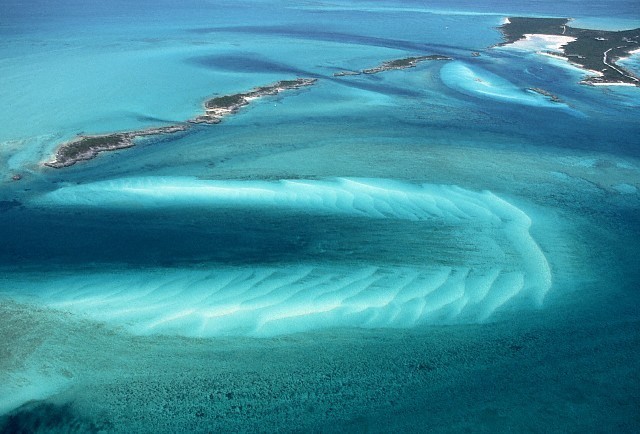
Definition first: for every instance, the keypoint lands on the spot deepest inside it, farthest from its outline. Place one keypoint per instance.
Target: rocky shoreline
(543, 92)
(404, 63)
(219, 107)
(87, 147)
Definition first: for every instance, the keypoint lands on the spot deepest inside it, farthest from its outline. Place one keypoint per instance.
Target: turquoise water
(437, 248)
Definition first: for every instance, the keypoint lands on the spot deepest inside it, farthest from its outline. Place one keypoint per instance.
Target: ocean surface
(434, 249)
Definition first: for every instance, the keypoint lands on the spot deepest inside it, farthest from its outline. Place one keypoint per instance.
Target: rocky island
(217, 108)
(86, 147)
(404, 63)
(552, 97)
(346, 73)
(596, 51)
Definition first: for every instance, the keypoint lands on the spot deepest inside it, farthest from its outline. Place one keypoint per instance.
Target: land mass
(217, 108)
(404, 63)
(86, 147)
(594, 50)
(543, 92)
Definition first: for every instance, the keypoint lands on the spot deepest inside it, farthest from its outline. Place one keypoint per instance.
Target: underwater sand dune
(480, 83)
(490, 260)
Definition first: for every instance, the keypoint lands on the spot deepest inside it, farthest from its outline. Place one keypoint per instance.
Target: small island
(404, 63)
(217, 108)
(595, 51)
(86, 147)
(346, 73)
(552, 97)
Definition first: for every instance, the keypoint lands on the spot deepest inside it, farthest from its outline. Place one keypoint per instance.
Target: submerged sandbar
(595, 51)
(86, 147)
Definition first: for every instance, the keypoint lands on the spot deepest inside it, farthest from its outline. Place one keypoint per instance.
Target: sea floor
(562, 373)
(567, 364)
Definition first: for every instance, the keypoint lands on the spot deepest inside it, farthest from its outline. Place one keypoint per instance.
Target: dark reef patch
(379, 87)
(6, 205)
(44, 417)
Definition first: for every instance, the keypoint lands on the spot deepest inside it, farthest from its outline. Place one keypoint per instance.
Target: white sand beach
(536, 42)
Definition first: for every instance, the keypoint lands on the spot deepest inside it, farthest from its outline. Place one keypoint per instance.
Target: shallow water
(437, 248)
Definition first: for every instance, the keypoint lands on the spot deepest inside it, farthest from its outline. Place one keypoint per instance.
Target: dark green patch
(6, 205)
(406, 62)
(90, 144)
(287, 83)
(225, 101)
(588, 50)
(402, 62)
(41, 417)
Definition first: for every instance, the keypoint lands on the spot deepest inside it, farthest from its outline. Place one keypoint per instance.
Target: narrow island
(595, 51)
(552, 97)
(346, 73)
(407, 62)
(217, 108)
(86, 147)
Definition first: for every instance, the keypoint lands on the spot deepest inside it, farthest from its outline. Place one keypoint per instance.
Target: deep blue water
(436, 248)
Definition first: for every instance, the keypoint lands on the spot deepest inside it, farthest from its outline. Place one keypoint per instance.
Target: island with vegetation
(596, 51)
(404, 63)
(86, 147)
(217, 108)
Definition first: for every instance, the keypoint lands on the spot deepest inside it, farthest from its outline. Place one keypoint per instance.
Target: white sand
(535, 42)
(613, 84)
(567, 62)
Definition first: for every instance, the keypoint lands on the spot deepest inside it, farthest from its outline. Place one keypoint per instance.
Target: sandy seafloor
(428, 250)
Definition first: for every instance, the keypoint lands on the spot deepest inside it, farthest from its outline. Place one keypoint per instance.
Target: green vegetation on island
(87, 147)
(221, 106)
(224, 101)
(404, 63)
(594, 50)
